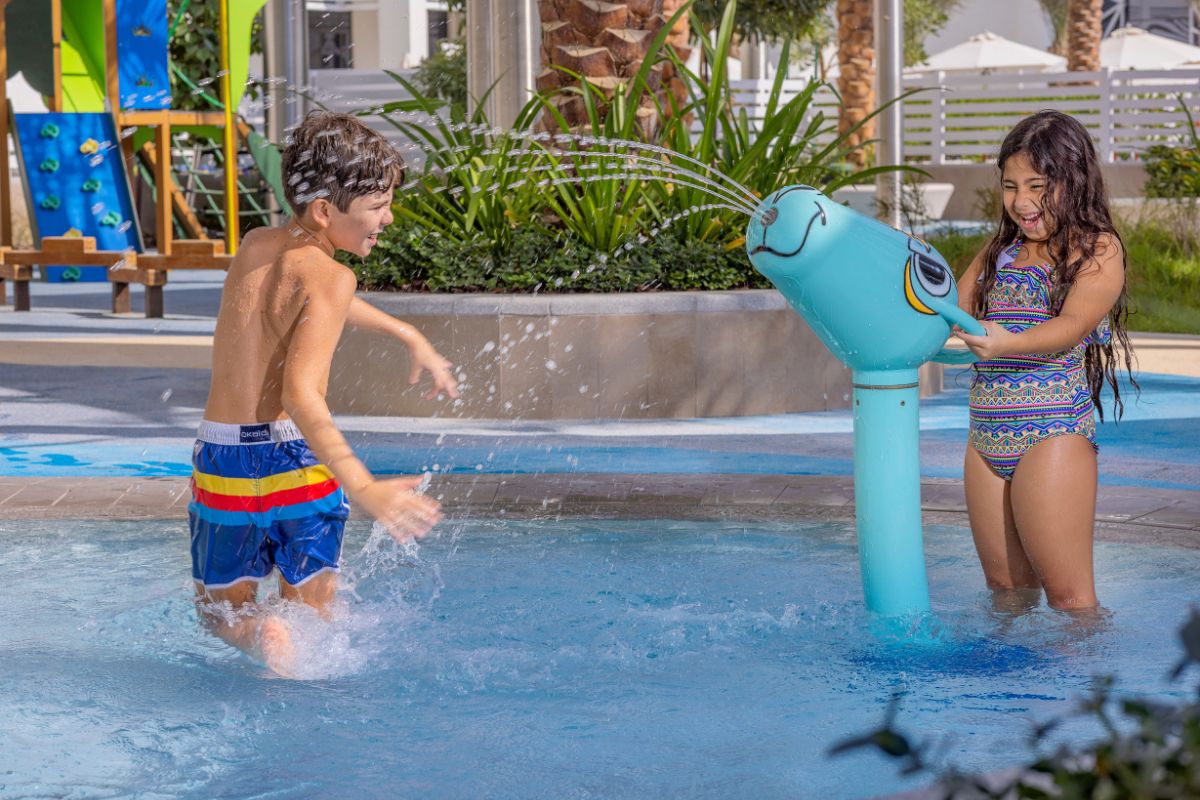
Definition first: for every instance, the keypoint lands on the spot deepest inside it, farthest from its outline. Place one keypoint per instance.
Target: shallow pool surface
(544, 659)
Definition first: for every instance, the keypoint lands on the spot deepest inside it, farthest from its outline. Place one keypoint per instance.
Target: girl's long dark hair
(1060, 148)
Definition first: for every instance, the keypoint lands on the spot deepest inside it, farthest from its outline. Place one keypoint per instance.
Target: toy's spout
(955, 316)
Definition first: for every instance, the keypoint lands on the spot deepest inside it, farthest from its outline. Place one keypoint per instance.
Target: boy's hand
(422, 357)
(395, 504)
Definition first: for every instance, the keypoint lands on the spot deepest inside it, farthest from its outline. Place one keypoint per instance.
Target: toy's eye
(933, 276)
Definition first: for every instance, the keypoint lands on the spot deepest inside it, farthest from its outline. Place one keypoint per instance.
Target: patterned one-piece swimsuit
(1018, 401)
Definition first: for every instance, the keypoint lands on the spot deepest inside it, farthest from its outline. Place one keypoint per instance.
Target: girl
(1050, 290)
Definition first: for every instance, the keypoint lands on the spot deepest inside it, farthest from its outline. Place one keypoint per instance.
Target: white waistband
(281, 430)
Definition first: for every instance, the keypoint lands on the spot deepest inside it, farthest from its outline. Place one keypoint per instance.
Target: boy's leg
(318, 591)
(1054, 505)
(266, 636)
(1005, 564)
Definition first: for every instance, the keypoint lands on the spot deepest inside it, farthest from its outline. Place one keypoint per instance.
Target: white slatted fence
(963, 119)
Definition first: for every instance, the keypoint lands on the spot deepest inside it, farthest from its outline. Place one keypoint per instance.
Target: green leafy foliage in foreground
(1164, 271)
(411, 258)
(1154, 754)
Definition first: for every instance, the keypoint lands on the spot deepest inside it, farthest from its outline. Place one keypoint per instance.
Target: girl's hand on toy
(396, 505)
(997, 343)
(423, 358)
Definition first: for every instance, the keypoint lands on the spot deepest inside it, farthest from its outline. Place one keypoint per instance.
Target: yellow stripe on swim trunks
(245, 487)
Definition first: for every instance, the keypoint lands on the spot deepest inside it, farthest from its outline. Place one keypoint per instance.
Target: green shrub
(1164, 271)
(1172, 171)
(411, 258)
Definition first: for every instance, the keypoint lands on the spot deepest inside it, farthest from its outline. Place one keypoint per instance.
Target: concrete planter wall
(627, 356)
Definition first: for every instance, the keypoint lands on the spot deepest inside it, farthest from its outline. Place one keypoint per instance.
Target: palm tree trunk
(606, 43)
(1084, 28)
(856, 63)
(1056, 11)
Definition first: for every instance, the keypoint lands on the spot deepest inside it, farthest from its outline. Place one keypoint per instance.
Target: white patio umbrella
(988, 52)
(1134, 48)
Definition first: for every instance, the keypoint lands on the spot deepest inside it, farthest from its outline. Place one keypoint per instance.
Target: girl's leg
(1005, 565)
(265, 636)
(1054, 506)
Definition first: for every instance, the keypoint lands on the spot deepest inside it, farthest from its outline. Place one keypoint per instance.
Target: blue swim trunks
(261, 500)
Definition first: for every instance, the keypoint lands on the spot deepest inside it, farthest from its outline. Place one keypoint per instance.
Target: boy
(270, 466)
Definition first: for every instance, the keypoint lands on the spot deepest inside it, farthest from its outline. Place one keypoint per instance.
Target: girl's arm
(968, 284)
(1093, 295)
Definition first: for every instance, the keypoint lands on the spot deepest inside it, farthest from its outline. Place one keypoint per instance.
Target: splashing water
(648, 166)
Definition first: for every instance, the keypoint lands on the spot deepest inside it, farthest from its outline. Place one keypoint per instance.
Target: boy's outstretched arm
(421, 355)
(394, 503)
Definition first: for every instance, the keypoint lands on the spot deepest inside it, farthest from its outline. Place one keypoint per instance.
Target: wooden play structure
(109, 79)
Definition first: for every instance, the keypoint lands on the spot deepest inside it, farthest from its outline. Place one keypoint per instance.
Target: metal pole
(5, 186)
(296, 45)
(286, 29)
(889, 33)
(503, 41)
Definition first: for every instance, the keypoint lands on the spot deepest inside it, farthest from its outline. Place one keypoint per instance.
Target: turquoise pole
(883, 302)
(887, 491)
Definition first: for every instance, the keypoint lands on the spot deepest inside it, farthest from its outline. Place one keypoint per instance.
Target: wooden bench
(124, 267)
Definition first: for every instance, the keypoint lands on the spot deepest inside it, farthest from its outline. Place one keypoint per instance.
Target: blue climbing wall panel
(76, 185)
(142, 43)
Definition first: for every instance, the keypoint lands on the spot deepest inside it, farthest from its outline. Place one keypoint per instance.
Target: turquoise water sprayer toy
(883, 302)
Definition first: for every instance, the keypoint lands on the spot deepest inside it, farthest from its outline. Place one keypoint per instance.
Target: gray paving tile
(943, 497)
(815, 496)
(40, 495)
(740, 493)
(1179, 514)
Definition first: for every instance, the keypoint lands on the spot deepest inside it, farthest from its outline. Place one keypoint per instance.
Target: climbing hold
(50, 202)
(71, 274)
(89, 147)
(49, 131)
(111, 219)
(141, 30)
(144, 81)
(73, 233)
(91, 185)
(49, 165)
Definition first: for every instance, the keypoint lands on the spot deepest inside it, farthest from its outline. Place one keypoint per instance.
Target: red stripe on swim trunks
(280, 499)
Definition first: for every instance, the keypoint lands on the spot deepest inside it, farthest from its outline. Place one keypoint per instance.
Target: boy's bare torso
(263, 298)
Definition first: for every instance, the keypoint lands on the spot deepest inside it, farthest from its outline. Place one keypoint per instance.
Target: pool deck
(83, 383)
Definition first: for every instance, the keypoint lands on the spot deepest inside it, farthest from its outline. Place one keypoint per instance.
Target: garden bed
(600, 356)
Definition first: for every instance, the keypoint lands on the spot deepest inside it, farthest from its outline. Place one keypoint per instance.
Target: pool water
(536, 659)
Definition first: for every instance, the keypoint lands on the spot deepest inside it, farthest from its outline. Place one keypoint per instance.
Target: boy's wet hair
(337, 158)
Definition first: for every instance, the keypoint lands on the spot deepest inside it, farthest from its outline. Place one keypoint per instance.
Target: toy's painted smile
(773, 213)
